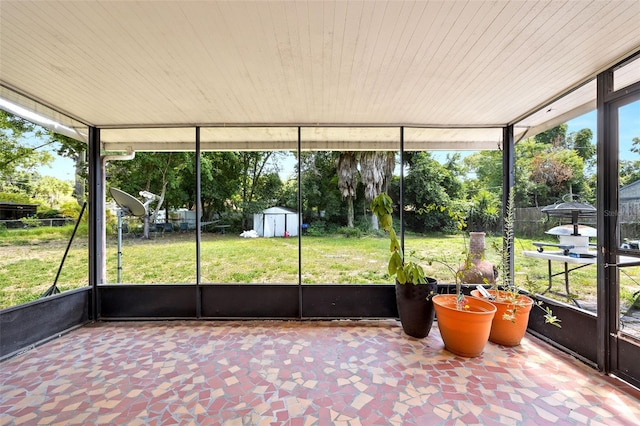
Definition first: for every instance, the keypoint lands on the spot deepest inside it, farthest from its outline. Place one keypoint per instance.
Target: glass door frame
(617, 354)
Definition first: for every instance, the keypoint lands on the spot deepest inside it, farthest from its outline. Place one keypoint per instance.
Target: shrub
(72, 209)
(48, 213)
(317, 229)
(484, 212)
(350, 232)
(30, 222)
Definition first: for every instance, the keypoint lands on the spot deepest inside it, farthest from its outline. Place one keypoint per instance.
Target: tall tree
(76, 151)
(427, 185)
(19, 182)
(254, 166)
(376, 170)
(347, 168)
(21, 146)
(25, 146)
(318, 180)
(630, 167)
(220, 181)
(487, 168)
(525, 188)
(148, 171)
(546, 167)
(583, 145)
(556, 136)
(557, 172)
(54, 192)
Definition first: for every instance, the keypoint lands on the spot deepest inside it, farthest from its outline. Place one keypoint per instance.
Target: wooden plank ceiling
(347, 63)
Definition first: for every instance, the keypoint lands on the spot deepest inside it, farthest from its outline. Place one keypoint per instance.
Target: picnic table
(222, 228)
(578, 261)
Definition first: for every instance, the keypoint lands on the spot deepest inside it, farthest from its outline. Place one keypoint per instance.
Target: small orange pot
(465, 332)
(508, 332)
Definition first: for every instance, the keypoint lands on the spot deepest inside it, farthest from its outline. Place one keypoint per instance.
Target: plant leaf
(401, 277)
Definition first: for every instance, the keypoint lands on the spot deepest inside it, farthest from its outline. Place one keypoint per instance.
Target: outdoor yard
(29, 262)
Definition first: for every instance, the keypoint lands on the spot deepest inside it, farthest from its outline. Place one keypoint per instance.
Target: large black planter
(415, 307)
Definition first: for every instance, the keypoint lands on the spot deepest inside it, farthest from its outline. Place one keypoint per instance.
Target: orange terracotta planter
(465, 332)
(508, 332)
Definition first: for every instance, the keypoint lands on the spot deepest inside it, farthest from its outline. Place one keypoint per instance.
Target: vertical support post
(401, 212)
(299, 222)
(120, 214)
(198, 226)
(607, 206)
(508, 183)
(97, 241)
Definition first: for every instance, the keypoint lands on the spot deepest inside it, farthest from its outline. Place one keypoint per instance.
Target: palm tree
(347, 167)
(376, 170)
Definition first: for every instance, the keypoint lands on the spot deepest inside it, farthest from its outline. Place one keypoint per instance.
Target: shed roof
(278, 210)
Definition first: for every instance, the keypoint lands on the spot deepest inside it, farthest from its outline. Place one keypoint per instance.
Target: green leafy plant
(460, 297)
(30, 222)
(483, 212)
(404, 271)
(350, 232)
(510, 291)
(458, 218)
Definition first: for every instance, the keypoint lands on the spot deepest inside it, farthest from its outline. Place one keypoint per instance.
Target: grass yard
(29, 262)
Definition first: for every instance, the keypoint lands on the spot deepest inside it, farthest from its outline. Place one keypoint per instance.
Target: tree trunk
(350, 213)
(145, 230)
(79, 186)
(347, 168)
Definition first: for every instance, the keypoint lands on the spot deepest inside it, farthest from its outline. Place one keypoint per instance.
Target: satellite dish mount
(129, 206)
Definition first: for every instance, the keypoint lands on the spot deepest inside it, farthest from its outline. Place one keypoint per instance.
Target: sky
(62, 168)
(629, 121)
(629, 124)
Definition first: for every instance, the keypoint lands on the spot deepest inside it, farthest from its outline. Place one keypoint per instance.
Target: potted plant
(464, 321)
(512, 316)
(414, 291)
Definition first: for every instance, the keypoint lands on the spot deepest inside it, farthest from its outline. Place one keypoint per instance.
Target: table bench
(581, 260)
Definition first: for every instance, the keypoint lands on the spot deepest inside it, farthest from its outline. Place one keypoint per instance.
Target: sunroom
(294, 82)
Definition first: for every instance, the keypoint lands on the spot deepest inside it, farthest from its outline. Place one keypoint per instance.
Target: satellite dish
(128, 203)
(148, 195)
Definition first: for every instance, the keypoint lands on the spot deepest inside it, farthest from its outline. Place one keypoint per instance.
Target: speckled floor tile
(298, 373)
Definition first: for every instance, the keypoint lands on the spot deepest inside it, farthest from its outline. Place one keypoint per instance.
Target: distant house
(276, 222)
(15, 211)
(630, 193)
(629, 210)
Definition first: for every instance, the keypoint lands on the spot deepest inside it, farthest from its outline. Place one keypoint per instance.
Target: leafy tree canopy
(583, 144)
(24, 146)
(319, 185)
(431, 185)
(556, 136)
(20, 143)
(630, 168)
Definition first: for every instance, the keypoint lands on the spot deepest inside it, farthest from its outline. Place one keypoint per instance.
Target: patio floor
(298, 373)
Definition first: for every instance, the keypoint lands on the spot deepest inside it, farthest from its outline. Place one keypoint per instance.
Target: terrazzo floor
(298, 373)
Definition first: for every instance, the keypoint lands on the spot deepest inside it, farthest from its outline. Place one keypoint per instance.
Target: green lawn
(29, 262)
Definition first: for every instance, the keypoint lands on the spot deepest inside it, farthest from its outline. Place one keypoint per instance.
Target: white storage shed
(275, 222)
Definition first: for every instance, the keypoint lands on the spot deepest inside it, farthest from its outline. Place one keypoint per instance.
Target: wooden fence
(531, 222)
